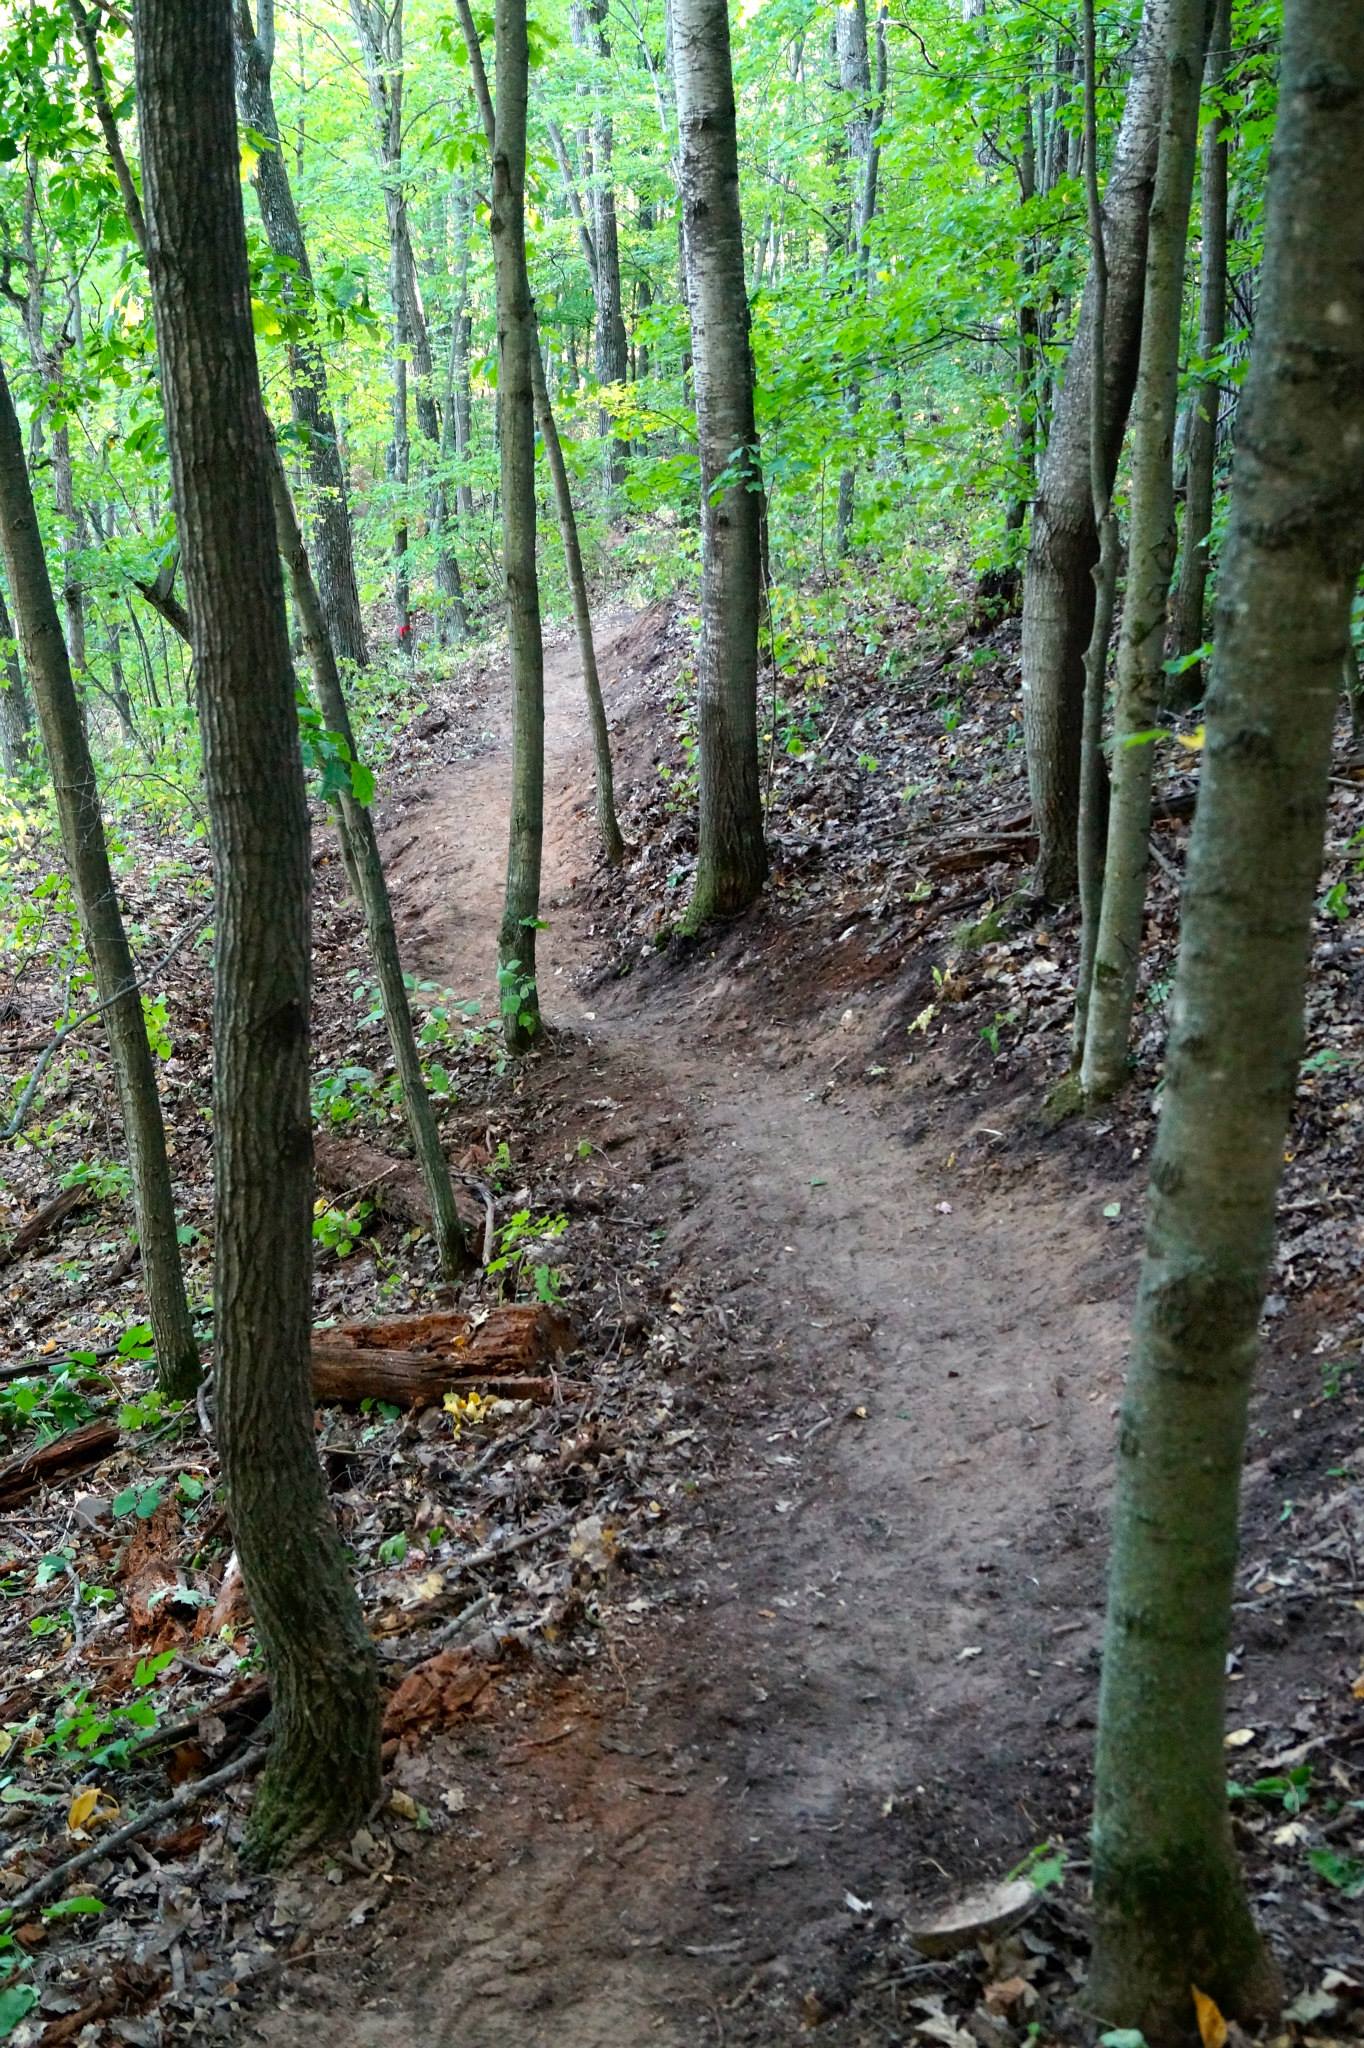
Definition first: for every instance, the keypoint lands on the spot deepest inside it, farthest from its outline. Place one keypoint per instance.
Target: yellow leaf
(250, 158)
(82, 1808)
(50, 1345)
(1238, 1738)
(1212, 2028)
(1194, 742)
(404, 1805)
(1358, 1687)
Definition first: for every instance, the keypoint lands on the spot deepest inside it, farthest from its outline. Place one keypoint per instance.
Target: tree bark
(1151, 556)
(731, 858)
(106, 941)
(332, 539)
(323, 1770)
(1058, 590)
(504, 121)
(854, 79)
(1170, 1909)
(1204, 405)
(15, 721)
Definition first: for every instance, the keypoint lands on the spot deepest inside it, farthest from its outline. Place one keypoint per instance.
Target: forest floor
(872, 1674)
(812, 1636)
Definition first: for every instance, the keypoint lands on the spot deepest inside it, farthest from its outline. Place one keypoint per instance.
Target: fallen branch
(53, 1880)
(45, 1221)
(346, 1167)
(22, 1476)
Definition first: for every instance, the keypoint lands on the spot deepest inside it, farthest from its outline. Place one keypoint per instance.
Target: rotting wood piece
(359, 1172)
(413, 1360)
(22, 1476)
(47, 1218)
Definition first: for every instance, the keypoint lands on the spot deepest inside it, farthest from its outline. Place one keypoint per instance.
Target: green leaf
(16, 2001)
(1346, 1873)
(71, 1909)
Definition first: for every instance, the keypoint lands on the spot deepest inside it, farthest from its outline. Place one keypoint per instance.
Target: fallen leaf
(1212, 2028)
(1238, 1738)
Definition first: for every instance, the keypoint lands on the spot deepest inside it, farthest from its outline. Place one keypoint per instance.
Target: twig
(53, 1880)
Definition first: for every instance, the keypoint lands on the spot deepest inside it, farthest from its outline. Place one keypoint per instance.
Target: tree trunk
(1093, 820)
(1170, 1910)
(106, 942)
(1058, 590)
(517, 352)
(731, 858)
(332, 541)
(15, 745)
(322, 1776)
(1212, 327)
(854, 79)
(1150, 562)
(357, 830)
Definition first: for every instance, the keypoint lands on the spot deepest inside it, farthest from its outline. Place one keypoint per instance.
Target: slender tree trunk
(332, 542)
(611, 342)
(608, 825)
(367, 872)
(15, 723)
(1151, 556)
(613, 846)
(517, 352)
(106, 942)
(1170, 1909)
(322, 1775)
(1093, 818)
(1212, 327)
(854, 78)
(1058, 588)
(731, 858)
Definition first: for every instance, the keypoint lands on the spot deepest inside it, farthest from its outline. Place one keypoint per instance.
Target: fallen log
(46, 1219)
(414, 1360)
(21, 1477)
(359, 1172)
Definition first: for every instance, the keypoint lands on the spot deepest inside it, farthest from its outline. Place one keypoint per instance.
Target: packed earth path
(876, 1678)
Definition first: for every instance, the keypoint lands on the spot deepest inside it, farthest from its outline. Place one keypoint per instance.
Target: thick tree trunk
(1187, 637)
(106, 942)
(15, 722)
(1058, 590)
(332, 541)
(323, 1771)
(1151, 557)
(731, 858)
(357, 828)
(1170, 1910)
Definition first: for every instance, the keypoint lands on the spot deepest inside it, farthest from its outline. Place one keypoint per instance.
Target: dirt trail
(888, 1644)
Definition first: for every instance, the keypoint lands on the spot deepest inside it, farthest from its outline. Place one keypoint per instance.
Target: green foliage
(519, 1239)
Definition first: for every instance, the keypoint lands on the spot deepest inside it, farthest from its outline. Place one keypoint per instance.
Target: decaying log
(361, 1172)
(22, 1476)
(47, 1218)
(414, 1360)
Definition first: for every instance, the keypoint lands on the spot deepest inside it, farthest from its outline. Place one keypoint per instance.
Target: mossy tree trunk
(731, 861)
(1151, 557)
(1170, 1910)
(15, 721)
(322, 1775)
(101, 920)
